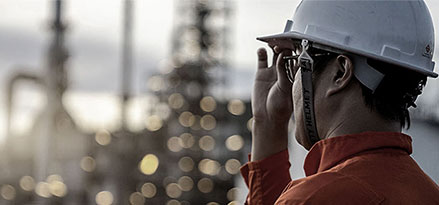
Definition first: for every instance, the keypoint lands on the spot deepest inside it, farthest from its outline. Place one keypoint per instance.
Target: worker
(348, 71)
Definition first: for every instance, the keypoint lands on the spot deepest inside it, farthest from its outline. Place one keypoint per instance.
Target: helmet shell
(396, 32)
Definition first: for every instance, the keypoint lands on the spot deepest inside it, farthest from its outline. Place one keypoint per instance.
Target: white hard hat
(396, 32)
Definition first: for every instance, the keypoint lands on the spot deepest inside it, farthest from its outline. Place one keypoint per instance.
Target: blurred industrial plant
(187, 150)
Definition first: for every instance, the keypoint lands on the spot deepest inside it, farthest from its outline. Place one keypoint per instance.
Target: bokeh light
(196, 125)
(149, 164)
(186, 183)
(208, 122)
(207, 143)
(176, 101)
(8, 192)
(236, 107)
(173, 202)
(137, 198)
(57, 188)
(232, 166)
(53, 177)
(205, 185)
(186, 164)
(212, 203)
(103, 137)
(173, 190)
(27, 183)
(186, 119)
(208, 104)
(88, 164)
(104, 198)
(42, 189)
(209, 167)
(233, 203)
(234, 142)
(187, 140)
(232, 194)
(174, 144)
(153, 123)
(149, 190)
(56, 185)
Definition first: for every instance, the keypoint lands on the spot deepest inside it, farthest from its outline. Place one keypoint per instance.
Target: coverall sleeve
(266, 178)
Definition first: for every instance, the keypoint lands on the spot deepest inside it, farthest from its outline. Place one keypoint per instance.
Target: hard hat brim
(293, 35)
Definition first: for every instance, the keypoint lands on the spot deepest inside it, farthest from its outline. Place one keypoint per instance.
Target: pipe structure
(127, 59)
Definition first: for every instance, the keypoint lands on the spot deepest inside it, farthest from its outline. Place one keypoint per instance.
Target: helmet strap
(307, 66)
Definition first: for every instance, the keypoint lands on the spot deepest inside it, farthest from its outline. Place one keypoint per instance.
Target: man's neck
(356, 119)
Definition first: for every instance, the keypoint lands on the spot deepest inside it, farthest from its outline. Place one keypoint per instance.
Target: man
(352, 70)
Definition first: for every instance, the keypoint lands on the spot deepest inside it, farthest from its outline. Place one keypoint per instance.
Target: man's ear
(342, 74)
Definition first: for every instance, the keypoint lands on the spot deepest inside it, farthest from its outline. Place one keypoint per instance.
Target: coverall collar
(327, 153)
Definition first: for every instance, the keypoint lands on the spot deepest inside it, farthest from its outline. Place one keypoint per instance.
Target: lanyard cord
(306, 66)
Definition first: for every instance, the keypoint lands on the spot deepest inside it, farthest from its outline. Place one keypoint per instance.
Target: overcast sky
(94, 34)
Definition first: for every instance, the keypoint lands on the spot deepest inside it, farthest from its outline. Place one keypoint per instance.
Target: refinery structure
(188, 150)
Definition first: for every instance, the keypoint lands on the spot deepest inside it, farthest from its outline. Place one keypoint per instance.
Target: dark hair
(396, 93)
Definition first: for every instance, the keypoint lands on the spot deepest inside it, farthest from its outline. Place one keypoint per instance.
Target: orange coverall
(365, 168)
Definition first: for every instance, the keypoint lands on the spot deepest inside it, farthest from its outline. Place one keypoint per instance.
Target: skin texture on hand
(271, 105)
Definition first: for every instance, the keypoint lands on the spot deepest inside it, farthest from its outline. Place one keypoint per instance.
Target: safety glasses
(292, 64)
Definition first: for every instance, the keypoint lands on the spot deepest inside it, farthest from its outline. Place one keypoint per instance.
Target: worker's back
(380, 175)
(393, 175)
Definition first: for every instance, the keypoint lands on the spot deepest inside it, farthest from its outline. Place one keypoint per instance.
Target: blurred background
(143, 102)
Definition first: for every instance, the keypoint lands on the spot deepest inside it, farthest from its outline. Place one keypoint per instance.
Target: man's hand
(271, 105)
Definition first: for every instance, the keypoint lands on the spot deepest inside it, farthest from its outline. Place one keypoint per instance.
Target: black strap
(306, 67)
